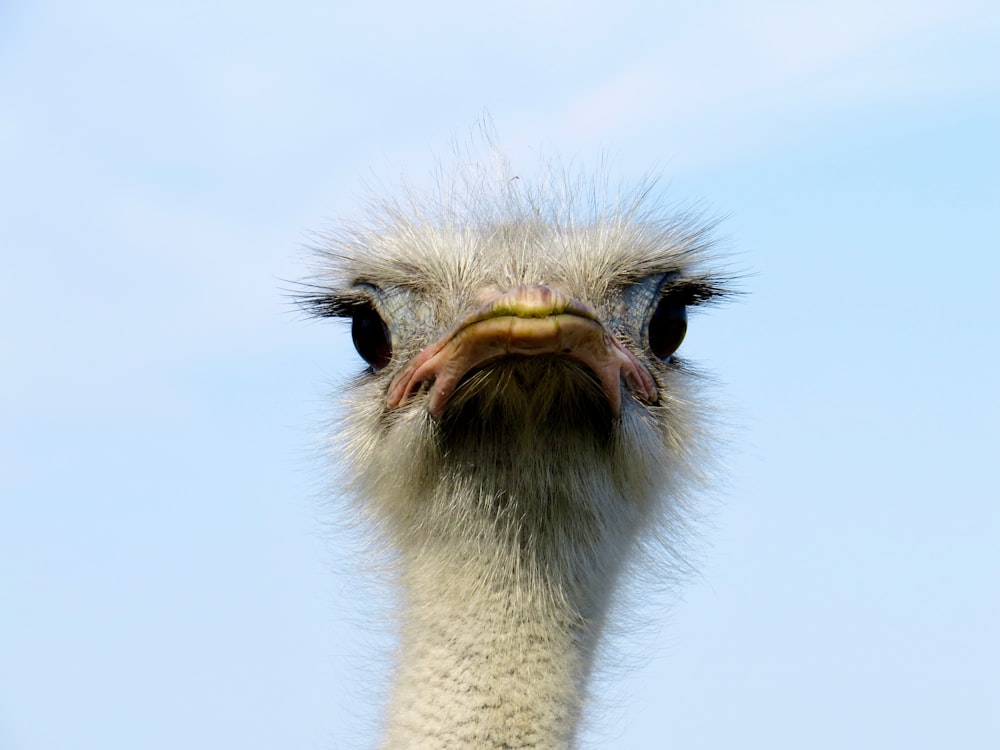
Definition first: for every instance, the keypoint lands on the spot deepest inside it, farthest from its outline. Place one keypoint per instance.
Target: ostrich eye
(667, 327)
(371, 337)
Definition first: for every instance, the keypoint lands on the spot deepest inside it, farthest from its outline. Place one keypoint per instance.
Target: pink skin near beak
(527, 320)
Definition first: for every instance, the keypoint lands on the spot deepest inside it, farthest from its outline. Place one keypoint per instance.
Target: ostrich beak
(525, 321)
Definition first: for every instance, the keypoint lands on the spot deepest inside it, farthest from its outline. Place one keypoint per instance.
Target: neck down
(510, 536)
(494, 661)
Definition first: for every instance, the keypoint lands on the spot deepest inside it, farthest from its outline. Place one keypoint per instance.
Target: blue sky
(171, 570)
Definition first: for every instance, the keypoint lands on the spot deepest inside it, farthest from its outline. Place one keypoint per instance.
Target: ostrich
(523, 428)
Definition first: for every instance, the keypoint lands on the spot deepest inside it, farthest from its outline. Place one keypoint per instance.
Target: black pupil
(371, 337)
(667, 328)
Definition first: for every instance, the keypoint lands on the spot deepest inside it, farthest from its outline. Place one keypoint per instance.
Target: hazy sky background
(171, 573)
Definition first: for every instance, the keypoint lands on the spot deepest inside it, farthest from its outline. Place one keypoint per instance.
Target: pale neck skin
(501, 615)
(486, 665)
(509, 532)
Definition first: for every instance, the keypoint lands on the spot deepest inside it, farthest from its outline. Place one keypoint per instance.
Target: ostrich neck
(487, 662)
(504, 596)
(510, 535)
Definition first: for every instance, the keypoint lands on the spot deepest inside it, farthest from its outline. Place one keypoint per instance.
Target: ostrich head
(522, 423)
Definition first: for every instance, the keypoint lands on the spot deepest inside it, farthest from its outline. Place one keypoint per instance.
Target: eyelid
(328, 302)
(690, 291)
(334, 305)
